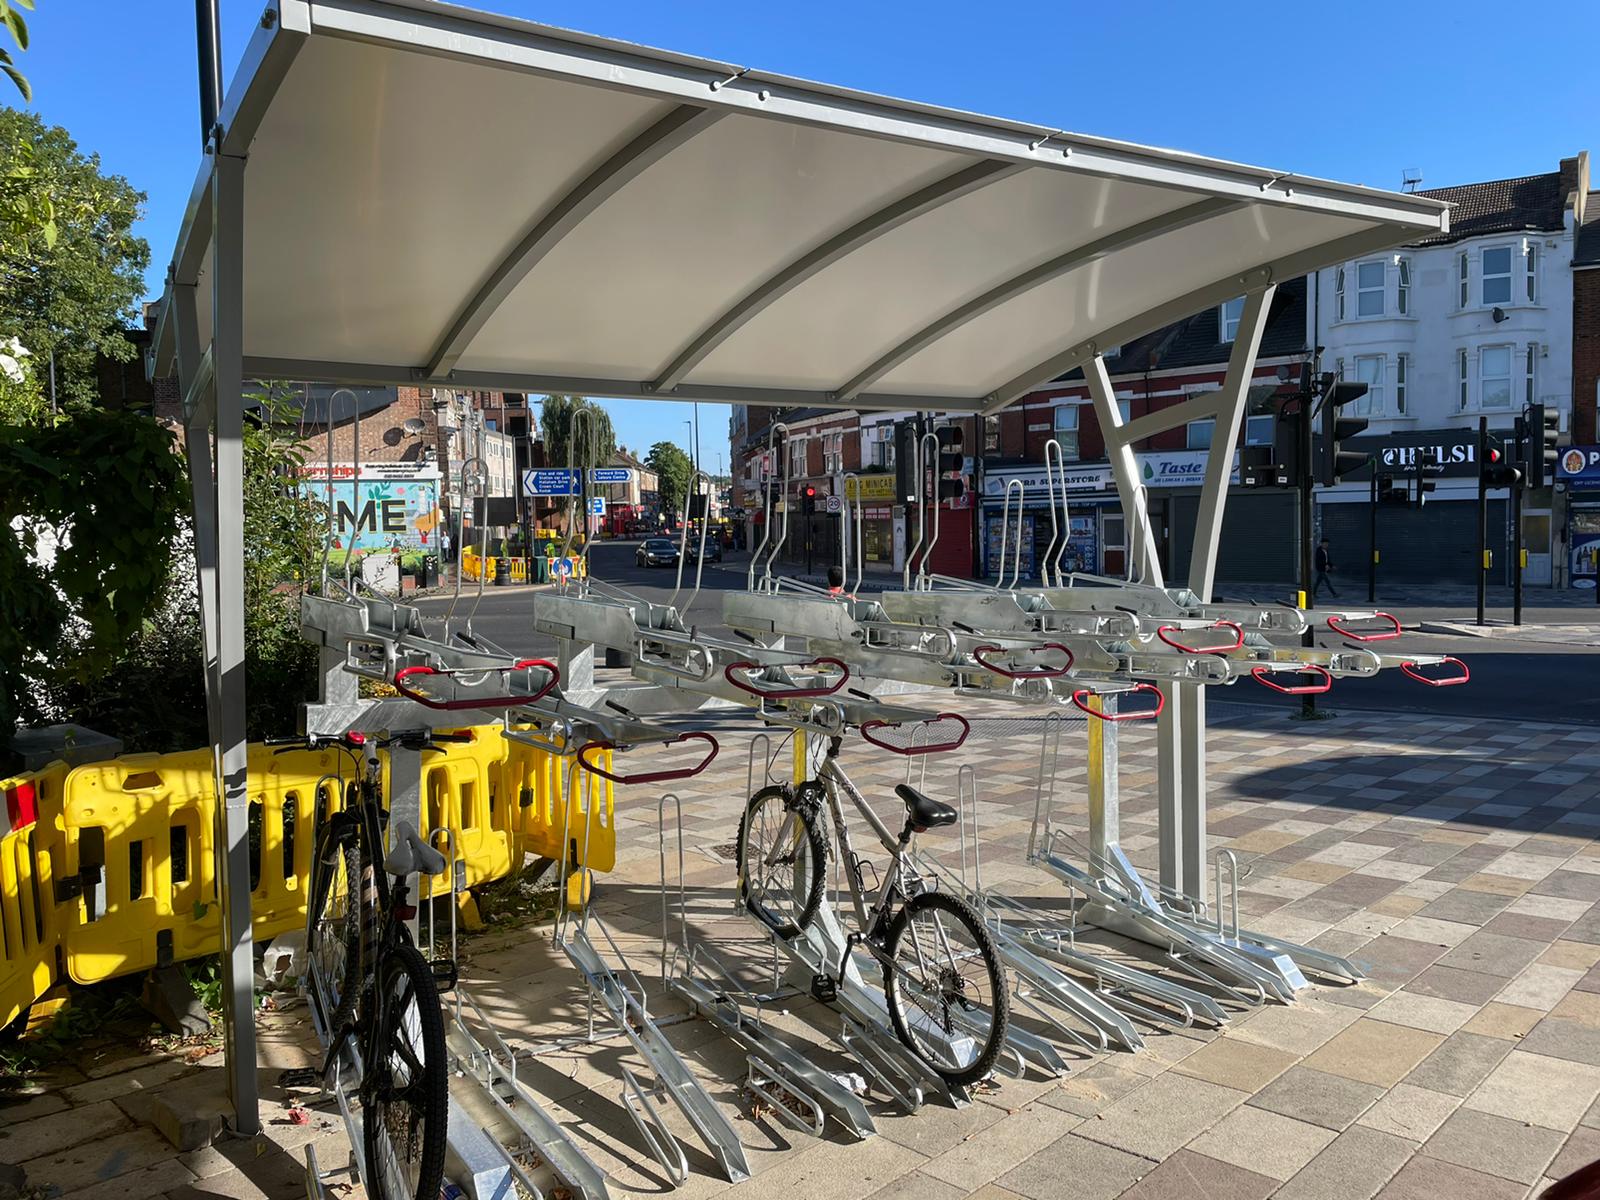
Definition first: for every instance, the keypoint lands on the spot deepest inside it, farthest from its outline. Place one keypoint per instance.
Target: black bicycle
(943, 982)
(372, 990)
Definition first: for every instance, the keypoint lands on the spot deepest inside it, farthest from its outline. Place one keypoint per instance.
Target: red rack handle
(1147, 714)
(732, 672)
(521, 664)
(1238, 638)
(908, 751)
(1382, 635)
(1263, 676)
(1410, 668)
(650, 776)
(978, 653)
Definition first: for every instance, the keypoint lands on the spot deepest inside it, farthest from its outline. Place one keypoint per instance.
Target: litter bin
(502, 571)
(430, 570)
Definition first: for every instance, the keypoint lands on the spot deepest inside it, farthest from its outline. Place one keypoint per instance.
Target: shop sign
(870, 487)
(1036, 480)
(1457, 450)
(1579, 468)
(1177, 468)
(371, 470)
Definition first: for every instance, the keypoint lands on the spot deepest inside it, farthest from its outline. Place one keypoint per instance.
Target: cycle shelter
(784, 243)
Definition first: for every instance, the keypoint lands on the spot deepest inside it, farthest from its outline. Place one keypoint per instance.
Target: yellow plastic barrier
(118, 870)
(28, 929)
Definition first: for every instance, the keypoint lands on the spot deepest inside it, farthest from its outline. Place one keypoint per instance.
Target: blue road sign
(597, 506)
(611, 474)
(550, 482)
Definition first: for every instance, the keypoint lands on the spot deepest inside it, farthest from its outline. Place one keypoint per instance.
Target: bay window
(1369, 370)
(1402, 287)
(1402, 367)
(1369, 289)
(1494, 376)
(1496, 284)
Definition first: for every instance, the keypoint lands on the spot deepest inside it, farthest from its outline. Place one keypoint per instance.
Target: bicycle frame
(871, 920)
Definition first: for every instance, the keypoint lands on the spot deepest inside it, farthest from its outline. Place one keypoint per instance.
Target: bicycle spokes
(944, 990)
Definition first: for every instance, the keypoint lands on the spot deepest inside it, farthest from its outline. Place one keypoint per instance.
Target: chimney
(1575, 184)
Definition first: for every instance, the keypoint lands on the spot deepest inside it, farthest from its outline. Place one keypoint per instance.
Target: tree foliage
(555, 427)
(673, 469)
(71, 270)
(13, 20)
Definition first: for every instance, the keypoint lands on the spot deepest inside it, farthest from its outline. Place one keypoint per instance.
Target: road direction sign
(559, 481)
(611, 475)
(597, 506)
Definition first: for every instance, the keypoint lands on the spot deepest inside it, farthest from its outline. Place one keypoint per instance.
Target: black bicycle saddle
(924, 811)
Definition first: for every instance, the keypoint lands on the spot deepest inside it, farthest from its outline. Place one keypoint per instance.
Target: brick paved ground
(1455, 860)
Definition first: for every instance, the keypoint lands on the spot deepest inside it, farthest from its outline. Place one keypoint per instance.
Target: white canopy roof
(438, 195)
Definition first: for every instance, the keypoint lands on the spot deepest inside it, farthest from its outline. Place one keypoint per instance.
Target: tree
(12, 19)
(555, 424)
(71, 270)
(673, 468)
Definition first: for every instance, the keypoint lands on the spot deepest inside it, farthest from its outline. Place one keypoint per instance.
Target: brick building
(1583, 490)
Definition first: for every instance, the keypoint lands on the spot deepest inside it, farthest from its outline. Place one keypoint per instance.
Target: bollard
(502, 571)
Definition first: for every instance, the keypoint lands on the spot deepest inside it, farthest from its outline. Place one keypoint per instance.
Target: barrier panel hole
(135, 869)
(255, 844)
(291, 819)
(436, 785)
(469, 806)
(142, 781)
(33, 882)
(179, 853)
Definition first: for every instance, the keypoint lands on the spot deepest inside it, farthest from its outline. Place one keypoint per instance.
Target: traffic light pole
(1483, 514)
(1372, 537)
(1525, 458)
(1308, 702)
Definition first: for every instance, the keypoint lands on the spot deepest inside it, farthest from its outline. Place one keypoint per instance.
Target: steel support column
(1125, 471)
(226, 684)
(1188, 723)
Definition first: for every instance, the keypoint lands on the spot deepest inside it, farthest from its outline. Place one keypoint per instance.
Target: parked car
(713, 547)
(656, 552)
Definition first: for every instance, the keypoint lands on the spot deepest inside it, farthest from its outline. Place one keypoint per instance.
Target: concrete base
(71, 744)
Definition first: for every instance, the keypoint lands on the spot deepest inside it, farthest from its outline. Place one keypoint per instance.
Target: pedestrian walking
(1324, 565)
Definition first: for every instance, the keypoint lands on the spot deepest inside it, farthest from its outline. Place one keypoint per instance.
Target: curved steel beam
(1012, 288)
(1275, 270)
(605, 181)
(791, 275)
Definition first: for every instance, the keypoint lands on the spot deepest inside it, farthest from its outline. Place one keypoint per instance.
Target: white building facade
(1477, 324)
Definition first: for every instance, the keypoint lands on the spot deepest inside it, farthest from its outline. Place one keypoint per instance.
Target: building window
(1338, 294)
(1369, 370)
(1461, 284)
(1402, 367)
(1528, 371)
(797, 458)
(1533, 273)
(991, 435)
(832, 453)
(877, 448)
(1199, 434)
(1369, 289)
(1231, 312)
(1494, 376)
(1497, 275)
(1258, 431)
(1402, 289)
(1066, 430)
(1461, 379)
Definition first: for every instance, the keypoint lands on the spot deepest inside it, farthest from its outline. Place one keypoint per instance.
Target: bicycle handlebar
(650, 776)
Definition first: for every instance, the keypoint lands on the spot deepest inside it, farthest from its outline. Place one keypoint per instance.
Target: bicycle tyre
(403, 973)
(751, 825)
(895, 988)
(343, 932)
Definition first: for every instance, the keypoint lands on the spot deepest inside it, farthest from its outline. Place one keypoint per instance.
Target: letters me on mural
(383, 505)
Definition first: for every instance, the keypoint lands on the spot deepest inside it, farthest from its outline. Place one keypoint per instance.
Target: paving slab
(1513, 1150)
(1266, 1143)
(1354, 1166)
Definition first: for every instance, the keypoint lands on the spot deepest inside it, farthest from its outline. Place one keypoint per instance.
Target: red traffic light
(1494, 456)
(811, 492)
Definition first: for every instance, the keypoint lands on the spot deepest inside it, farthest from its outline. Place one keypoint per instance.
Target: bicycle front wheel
(333, 934)
(946, 991)
(781, 859)
(406, 1090)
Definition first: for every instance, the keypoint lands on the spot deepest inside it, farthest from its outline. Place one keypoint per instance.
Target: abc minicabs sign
(1579, 468)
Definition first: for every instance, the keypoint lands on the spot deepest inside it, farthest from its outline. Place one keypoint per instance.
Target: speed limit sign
(834, 504)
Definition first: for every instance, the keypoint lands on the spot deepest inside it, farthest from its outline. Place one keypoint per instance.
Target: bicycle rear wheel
(946, 991)
(405, 1095)
(333, 935)
(781, 860)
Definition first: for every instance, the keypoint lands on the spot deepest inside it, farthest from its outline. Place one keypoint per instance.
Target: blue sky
(1353, 90)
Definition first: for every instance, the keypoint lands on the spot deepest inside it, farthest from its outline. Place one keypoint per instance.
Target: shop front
(1090, 545)
(1578, 472)
(876, 493)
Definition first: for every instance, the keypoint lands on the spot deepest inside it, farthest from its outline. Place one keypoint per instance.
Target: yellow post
(1300, 599)
(802, 757)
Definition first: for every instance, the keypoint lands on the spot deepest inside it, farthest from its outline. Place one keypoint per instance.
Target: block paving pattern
(1454, 860)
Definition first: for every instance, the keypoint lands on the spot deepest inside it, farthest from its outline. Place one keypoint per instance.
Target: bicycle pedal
(824, 988)
(445, 974)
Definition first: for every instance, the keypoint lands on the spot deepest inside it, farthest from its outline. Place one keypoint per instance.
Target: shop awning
(435, 195)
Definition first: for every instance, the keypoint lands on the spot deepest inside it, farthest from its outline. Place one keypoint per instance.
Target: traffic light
(1428, 465)
(950, 462)
(1334, 459)
(1258, 468)
(808, 499)
(1543, 429)
(907, 485)
(1388, 493)
(1496, 472)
